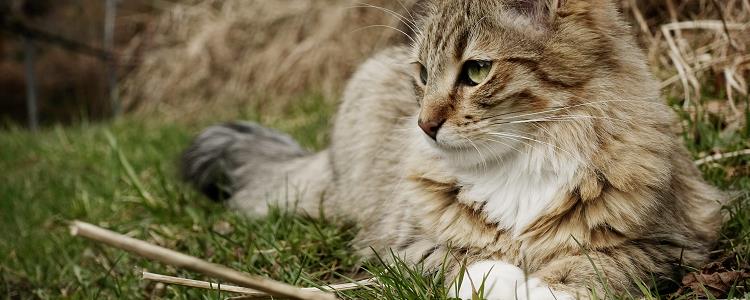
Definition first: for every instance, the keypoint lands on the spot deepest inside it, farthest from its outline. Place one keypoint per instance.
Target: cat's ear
(540, 11)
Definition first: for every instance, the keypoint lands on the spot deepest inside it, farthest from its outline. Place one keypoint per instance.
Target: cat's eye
(476, 71)
(423, 74)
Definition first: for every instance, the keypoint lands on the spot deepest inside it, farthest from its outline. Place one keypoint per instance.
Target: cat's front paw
(536, 289)
(503, 281)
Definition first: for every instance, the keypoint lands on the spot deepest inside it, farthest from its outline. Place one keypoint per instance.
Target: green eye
(475, 71)
(423, 74)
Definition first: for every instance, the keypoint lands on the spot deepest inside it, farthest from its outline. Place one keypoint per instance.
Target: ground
(122, 175)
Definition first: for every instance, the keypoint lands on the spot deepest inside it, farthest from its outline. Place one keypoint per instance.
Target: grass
(122, 176)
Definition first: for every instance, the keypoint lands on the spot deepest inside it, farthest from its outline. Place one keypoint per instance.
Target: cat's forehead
(456, 29)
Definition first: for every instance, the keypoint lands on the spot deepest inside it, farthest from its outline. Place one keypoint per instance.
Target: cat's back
(368, 133)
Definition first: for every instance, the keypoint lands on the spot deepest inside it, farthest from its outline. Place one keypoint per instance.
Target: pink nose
(431, 127)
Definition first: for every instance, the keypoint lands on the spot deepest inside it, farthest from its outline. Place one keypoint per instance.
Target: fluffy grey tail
(225, 159)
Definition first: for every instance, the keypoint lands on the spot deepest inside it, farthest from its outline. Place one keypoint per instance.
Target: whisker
(481, 158)
(518, 140)
(511, 112)
(412, 26)
(502, 143)
(614, 101)
(497, 158)
(387, 10)
(542, 128)
(477, 22)
(413, 19)
(561, 118)
(549, 134)
(522, 139)
(386, 26)
(538, 141)
(561, 108)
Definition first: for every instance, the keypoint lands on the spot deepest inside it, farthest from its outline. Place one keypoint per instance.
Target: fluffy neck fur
(519, 189)
(514, 189)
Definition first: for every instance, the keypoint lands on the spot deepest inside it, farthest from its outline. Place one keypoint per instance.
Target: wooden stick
(333, 287)
(164, 255)
(201, 284)
(720, 156)
(247, 293)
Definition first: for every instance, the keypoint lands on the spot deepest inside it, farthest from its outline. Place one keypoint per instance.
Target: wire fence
(32, 38)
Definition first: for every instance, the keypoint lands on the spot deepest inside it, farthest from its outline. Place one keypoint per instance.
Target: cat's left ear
(542, 12)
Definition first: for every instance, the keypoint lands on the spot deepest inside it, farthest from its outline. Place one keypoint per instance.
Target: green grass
(123, 176)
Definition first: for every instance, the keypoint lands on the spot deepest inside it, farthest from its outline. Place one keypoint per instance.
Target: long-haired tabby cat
(524, 138)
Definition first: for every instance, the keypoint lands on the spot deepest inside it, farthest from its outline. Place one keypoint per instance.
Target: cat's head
(494, 75)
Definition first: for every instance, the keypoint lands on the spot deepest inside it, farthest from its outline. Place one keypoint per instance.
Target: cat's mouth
(475, 148)
(467, 147)
(449, 143)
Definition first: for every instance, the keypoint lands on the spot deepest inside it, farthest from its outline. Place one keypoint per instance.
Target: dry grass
(204, 53)
(699, 50)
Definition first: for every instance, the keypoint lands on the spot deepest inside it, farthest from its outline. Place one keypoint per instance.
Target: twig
(720, 156)
(671, 80)
(202, 284)
(164, 255)
(330, 288)
(705, 24)
(247, 293)
(724, 22)
(685, 70)
(641, 20)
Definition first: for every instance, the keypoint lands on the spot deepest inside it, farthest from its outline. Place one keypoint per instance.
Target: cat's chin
(460, 156)
(447, 147)
(462, 153)
(471, 156)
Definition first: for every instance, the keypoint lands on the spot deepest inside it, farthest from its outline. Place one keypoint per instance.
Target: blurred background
(57, 51)
(176, 58)
(173, 57)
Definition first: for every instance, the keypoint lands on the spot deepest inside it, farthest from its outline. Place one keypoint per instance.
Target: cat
(522, 139)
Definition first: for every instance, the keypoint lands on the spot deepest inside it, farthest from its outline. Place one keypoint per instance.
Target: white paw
(503, 281)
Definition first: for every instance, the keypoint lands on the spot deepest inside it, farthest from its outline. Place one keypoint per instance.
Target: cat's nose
(431, 127)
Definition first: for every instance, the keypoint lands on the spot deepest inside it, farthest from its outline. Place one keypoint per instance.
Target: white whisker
(413, 19)
(503, 143)
(580, 105)
(498, 159)
(386, 26)
(518, 140)
(412, 26)
(509, 135)
(481, 158)
(566, 118)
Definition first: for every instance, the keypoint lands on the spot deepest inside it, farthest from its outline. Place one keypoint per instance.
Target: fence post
(31, 100)
(110, 15)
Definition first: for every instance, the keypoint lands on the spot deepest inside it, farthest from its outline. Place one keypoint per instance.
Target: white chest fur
(518, 190)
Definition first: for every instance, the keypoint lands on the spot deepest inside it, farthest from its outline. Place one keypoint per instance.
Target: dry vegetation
(204, 53)
(699, 49)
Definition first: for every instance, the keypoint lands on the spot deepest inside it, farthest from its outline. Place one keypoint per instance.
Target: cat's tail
(252, 166)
